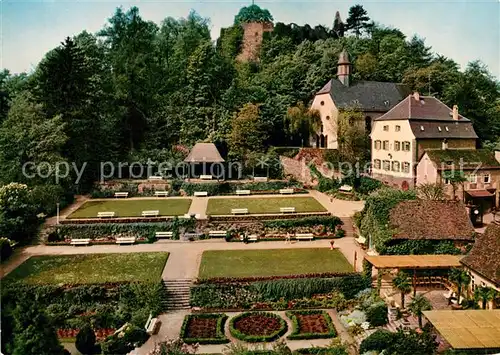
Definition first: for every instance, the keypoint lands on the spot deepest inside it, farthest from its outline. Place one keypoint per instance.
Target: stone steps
(177, 294)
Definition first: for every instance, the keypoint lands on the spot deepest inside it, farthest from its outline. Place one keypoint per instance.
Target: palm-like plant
(460, 278)
(402, 283)
(418, 305)
(484, 294)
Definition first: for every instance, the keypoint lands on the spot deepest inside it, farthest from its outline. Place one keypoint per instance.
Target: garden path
(199, 206)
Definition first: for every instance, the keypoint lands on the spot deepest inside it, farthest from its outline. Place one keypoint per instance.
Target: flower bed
(204, 329)
(257, 327)
(312, 324)
(100, 334)
(267, 217)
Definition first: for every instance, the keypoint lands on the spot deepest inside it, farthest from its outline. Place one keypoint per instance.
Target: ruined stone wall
(252, 40)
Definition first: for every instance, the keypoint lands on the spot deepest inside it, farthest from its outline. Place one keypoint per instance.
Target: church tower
(344, 68)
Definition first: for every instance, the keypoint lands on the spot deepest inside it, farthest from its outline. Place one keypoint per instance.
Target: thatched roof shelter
(204, 153)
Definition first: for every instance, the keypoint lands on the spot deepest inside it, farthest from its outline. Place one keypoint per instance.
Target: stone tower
(344, 68)
(253, 33)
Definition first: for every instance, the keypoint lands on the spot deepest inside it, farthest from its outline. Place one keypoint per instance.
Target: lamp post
(57, 204)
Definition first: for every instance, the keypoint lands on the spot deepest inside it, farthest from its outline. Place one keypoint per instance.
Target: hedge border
(257, 338)
(229, 280)
(295, 335)
(221, 321)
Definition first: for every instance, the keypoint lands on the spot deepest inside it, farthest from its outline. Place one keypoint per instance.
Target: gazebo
(205, 161)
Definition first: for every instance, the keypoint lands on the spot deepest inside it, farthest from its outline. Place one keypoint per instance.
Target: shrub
(257, 338)
(377, 341)
(368, 185)
(296, 334)
(5, 249)
(85, 340)
(329, 223)
(339, 233)
(220, 338)
(376, 314)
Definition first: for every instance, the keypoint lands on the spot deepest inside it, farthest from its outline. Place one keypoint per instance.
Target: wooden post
(414, 282)
(355, 260)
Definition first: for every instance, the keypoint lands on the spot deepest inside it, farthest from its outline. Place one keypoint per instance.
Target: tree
(460, 278)
(85, 340)
(484, 294)
(418, 305)
(33, 332)
(402, 283)
(303, 122)
(429, 191)
(412, 342)
(456, 178)
(253, 13)
(338, 25)
(351, 136)
(247, 132)
(357, 21)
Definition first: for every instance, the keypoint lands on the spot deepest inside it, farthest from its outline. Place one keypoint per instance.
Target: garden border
(258, 338)
(221, 336)
(295, 335)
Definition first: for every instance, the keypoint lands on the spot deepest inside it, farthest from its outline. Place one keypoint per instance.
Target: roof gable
(431, 220)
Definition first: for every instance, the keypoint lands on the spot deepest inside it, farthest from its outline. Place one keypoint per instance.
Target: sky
(461, 30)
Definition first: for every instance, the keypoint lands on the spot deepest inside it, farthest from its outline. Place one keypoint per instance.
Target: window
(406, 146)
(422, 128)
(472, 178)
(376, 163)
(398, 128)
(406, 167)
(447, 181)
(439, 128)
(395, 166)
(444, 145)
(397, 146)
(385, 145)
(377, 145)
(322, 103)
(387, 165)
(327, 117)
(447, 129)
(386, 128)
(486, 178)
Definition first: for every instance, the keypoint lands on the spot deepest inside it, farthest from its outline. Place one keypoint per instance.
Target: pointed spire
(344, 57)
(344, 68)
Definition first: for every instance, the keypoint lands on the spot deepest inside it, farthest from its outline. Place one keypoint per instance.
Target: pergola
(468, 329)
(203, 154)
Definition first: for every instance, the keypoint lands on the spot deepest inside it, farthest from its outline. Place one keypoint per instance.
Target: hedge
(226, 188)
(257, 338)
(329, 222)
(377, 341)
(296, 325)
(219, 339)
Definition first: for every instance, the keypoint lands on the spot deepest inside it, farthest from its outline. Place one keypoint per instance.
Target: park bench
(345, 188)
(304, 236)
(260, 178)
(154, 213)
(152, 325)
(287, 209)
(80, 241)
(250, 238)
(286, 191)
(217, 234)
(239, 211)
(125, 240)
(242, 192)
(206, 177)
(161, 193)
(121, 194)
(200, 193)
(155, 177)
(106, 214)
(164, 234)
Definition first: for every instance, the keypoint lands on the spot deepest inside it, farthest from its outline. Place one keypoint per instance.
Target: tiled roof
(368, 95)
(484, 258)
(442, 129)
(427, 108)
(466, 158)
(204, 152)
(428, 219)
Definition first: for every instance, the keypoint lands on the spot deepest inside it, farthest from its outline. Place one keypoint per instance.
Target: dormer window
(422, 128)
(439, 129)
(447, 129)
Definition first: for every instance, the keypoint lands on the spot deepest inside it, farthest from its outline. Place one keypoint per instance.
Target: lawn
(271, 262)
(133, 208)
(263, 205)
(90, 268)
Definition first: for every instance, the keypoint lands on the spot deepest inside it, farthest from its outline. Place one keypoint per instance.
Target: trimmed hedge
(329, 222)
(229, 188)
(296, 325)
(257, 338)
(219, 339)
(267, 217)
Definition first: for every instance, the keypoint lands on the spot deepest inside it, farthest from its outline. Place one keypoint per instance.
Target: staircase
(177, 292)
(348, 226)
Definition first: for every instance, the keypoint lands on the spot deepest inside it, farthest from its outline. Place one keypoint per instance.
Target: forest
(136, 90)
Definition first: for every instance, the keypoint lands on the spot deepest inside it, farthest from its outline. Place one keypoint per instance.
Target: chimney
(416, 96)
(455, 112)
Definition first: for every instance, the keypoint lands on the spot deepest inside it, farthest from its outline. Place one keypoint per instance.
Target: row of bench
(203, 193)
(153, 213)
(245, 210)
(157, 194)
(298, 236)
(210, 177)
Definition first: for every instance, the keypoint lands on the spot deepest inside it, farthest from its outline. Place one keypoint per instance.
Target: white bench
(239, 211)
(200, 193)
(345, 188)
(250, 238)
(217, 234)
(105, 214)
(154, 213)
(125, 240)
(287, 209)
(286, 191)
(260, 178)
(155, 177)
(206, 177)
(81, 241)
(152, 325)
(242, 192)
(304, 236)
(121, 194)
(161, 193)
(164, 234)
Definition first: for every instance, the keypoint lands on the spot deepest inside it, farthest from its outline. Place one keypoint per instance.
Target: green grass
(271, 262)
(223, 206)
(133, 208)
(90, 268)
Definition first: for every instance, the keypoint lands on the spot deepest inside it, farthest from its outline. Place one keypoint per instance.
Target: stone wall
(252, 40)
